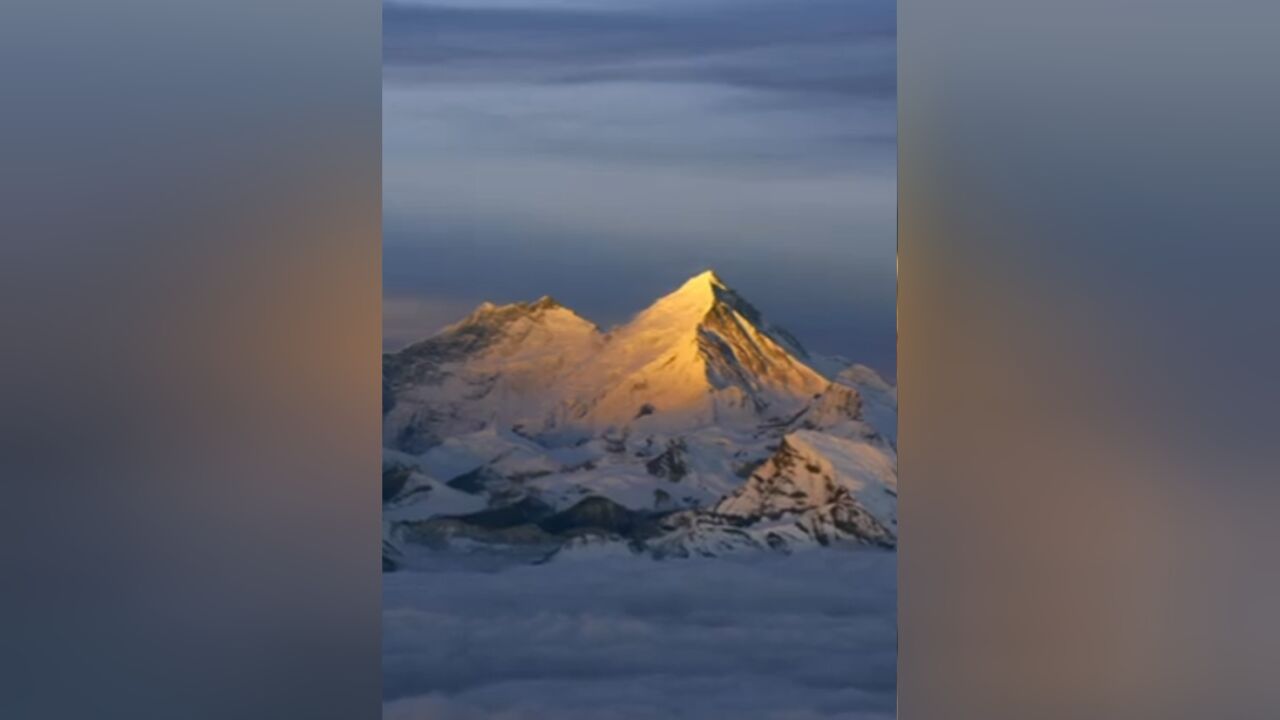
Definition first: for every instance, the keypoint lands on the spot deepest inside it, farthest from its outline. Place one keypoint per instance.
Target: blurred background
(1087, 342)
(190, 281)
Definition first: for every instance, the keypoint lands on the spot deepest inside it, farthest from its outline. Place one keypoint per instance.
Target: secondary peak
(546, 302)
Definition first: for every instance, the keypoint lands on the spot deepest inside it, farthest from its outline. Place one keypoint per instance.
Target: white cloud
(807, 636)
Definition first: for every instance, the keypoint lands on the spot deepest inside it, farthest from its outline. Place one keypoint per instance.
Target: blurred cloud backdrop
(603, 150)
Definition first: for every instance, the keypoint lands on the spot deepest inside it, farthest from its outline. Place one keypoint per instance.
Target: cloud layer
(810, 636)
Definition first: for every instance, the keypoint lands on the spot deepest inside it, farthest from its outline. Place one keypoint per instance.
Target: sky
(602, 151)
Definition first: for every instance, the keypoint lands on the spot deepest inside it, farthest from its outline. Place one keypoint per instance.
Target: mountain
(879, 399)
(499, 364)
(815, 471)
(697, 427)
(701, 355)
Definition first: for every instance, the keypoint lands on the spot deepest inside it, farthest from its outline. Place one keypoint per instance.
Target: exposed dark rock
(388, 397)
(527, 511)
(478, 481)
(389, 555)
(670, 464)
(615, 444)
(661, 500)
(416, 438)
(851, 519)
(394, 478)
(529, 475)
(597, 513)
(440, 532)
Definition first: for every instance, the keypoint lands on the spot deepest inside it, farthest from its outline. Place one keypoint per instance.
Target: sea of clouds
(812, 635)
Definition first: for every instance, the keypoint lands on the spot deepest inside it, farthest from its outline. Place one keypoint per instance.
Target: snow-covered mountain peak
(501, 363)
(698, 356)
(490, 314)
(701, 292)
(706, 277)
(703, 299)
(680, 310)
(706, 285)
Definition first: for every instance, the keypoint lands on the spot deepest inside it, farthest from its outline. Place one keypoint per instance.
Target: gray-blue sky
(603, 150)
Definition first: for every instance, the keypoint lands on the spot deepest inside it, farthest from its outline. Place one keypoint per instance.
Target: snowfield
(758, 637)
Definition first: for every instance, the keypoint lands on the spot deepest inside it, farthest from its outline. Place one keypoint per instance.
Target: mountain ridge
(696, 427)
(698, 355)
